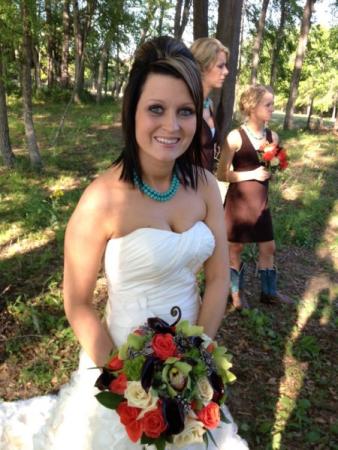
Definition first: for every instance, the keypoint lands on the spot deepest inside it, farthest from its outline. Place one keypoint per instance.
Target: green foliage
(319, 81)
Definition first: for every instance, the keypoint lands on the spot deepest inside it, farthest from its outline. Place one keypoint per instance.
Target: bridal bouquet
(273, 156)
(167, 383)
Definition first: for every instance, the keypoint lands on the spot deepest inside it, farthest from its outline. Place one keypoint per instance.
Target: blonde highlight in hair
(251, 97)
(205, 51)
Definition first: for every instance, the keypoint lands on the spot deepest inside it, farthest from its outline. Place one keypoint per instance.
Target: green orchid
(175, 375)
(187, 329)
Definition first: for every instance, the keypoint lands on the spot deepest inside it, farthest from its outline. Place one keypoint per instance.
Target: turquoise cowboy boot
(237, 288)
(269, 293)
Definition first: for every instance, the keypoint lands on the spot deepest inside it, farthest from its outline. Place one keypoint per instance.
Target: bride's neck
(158, 176)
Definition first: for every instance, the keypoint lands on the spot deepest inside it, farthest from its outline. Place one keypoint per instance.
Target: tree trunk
(241, 37)
(302, 43)
(200, 27)
(5, 143)
(228, 32)
(177, 20)
(81, 30)
(37, 68)
(258, 42)
(151, 10)
(102, 67)
(50, 44)
(26, 82)
(65, 44)
(278, 44)
(181, 19)
(308, 122)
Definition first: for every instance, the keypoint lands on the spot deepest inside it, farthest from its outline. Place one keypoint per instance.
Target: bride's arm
(216, 268)
(85, 242)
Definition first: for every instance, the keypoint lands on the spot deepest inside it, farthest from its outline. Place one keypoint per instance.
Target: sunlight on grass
(292, 192)
(26, 243)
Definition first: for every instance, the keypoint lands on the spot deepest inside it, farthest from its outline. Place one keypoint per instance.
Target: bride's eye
(186, 112)
(156, 109)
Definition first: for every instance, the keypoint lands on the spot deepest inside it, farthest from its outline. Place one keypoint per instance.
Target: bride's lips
(166, 140)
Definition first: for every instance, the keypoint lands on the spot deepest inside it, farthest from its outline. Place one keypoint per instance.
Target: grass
(284, 357)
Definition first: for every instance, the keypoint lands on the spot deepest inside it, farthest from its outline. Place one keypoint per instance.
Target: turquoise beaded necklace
(155, 195)
(207, 103)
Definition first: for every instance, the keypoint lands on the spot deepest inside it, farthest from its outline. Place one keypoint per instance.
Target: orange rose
(163, 345)
(153, 423)
(267, 156)
(209, 415)
(119, 385)
(128, 418)
(115, 363)
(134, 430)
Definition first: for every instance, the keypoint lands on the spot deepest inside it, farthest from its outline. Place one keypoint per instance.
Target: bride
(154, 218)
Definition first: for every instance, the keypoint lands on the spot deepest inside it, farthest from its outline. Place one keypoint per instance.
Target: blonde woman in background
(212, 58)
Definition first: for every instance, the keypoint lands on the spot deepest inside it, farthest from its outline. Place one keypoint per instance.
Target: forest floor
(284, 357)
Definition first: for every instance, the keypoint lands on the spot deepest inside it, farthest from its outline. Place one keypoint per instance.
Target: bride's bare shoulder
(105, 189)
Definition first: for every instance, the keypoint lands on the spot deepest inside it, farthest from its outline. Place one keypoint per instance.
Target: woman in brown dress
(212, 58)
(247, 213)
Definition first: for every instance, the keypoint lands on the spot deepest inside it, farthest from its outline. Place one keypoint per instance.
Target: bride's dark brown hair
(167, 56)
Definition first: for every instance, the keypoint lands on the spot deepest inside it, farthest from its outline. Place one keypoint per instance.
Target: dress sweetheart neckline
(160, 230)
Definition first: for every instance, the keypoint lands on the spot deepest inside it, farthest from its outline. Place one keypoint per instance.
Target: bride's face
(165, 118)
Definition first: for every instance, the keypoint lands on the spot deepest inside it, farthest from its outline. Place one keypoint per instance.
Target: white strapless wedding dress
(148, 272)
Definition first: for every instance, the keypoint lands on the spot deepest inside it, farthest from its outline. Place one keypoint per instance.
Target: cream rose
(192, 433)
(139, 398)
(274, 162)
(205, 390)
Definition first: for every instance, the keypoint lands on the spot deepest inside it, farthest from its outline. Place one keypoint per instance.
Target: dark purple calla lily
(217, 385)
(173, 415)
(147, 373)
(104, 379)
(159, 325)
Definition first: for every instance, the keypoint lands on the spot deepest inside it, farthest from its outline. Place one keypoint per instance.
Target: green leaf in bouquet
(135, 341)
(209, 434)
(187, 329)
(133, 368)
(199, 369)
(206, 440)
(223, 416)
(109, 399)
(123, 351)
(160, 443)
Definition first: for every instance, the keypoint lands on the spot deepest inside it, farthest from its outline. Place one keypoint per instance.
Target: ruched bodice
(150, 270)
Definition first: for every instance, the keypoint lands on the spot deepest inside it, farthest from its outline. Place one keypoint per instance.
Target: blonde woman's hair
(251, 97)
(205, 52)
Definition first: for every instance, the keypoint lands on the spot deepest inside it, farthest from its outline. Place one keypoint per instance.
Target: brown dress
(247, 213)
(209, 145)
